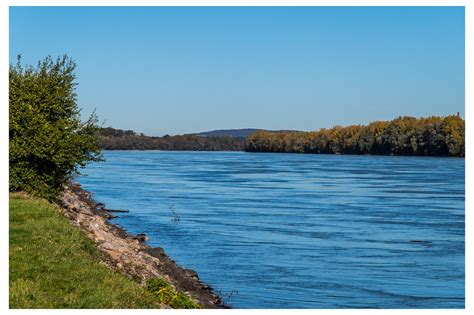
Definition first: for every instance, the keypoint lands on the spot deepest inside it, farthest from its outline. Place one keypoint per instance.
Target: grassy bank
(54, 265)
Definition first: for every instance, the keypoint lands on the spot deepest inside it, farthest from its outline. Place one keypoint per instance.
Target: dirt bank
(128, 253)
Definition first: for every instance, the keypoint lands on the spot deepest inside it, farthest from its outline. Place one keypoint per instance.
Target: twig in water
(175, 216)
(226, 296)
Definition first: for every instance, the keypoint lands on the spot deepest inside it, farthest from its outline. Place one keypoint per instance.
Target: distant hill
(235, 133)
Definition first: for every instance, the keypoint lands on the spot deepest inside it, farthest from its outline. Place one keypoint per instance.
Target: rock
(192, 273)
(140, 237)
(128, 253)
(100, 206)
(106, 215)
(156, 251)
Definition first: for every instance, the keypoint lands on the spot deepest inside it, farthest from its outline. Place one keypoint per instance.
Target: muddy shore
(129, 254)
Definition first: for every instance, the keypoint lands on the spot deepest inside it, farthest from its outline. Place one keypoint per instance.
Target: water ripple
(299, 231)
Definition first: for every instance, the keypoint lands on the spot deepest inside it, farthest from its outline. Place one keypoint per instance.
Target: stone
(128, 253)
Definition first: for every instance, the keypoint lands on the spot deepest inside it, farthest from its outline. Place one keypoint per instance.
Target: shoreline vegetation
(53, 264)
(405, 136)
(117, 139)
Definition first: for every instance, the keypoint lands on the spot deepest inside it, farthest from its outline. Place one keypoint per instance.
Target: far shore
(290, 153)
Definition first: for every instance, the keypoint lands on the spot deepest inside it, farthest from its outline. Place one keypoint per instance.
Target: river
(271, 230)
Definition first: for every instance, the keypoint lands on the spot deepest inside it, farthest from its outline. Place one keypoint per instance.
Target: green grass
(54, 265)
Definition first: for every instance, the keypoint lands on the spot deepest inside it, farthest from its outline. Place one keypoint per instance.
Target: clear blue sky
(177, 70)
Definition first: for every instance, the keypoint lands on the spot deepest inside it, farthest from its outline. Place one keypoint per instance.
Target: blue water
(299, 231)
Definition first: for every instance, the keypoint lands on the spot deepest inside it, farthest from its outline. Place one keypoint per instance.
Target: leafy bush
(167, 295)
(48, 141)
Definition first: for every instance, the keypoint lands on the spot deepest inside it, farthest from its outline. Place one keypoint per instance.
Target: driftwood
(112, 210)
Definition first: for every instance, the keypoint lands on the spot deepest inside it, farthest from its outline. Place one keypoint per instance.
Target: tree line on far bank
(117, 139)
(432, 136)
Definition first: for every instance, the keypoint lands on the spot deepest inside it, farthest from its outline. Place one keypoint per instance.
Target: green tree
(453, 128)
(434, 135)
(48, 141)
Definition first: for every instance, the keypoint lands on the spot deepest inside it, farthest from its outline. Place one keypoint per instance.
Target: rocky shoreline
(129, 254)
